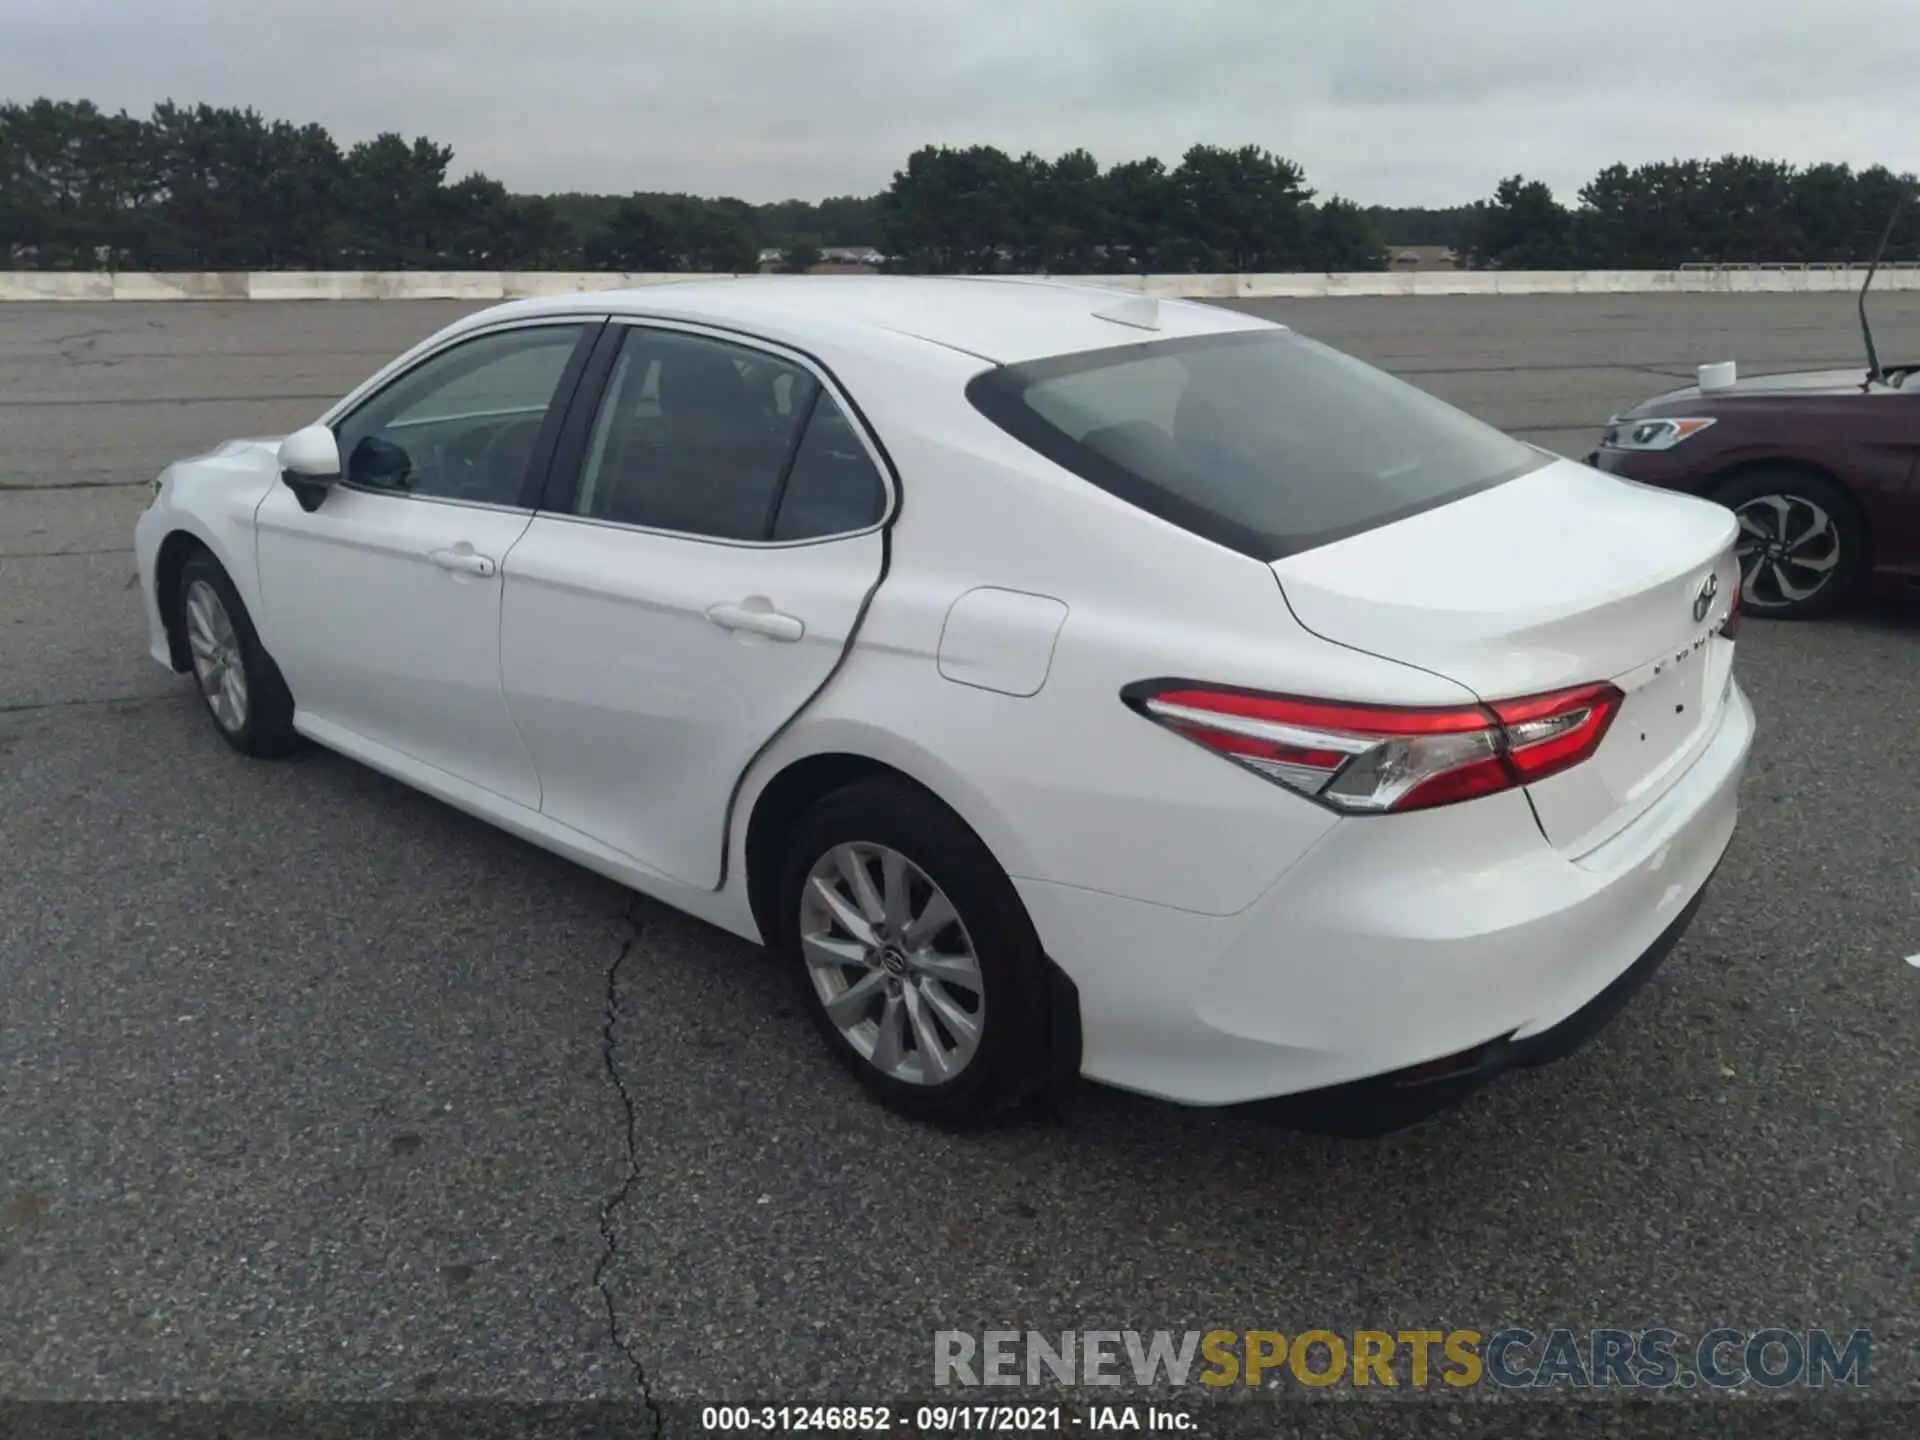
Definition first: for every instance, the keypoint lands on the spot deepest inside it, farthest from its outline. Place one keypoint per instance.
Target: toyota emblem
(1703, 602)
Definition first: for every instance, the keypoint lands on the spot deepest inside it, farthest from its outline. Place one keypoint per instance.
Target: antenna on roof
(1142, 312)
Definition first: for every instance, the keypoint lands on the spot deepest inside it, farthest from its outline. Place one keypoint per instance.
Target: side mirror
(380, 463)
(310, 465)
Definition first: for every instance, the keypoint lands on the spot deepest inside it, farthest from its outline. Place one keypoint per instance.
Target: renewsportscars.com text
(1651, 1359)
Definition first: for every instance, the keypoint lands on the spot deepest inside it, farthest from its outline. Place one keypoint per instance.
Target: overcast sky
(1385, 101)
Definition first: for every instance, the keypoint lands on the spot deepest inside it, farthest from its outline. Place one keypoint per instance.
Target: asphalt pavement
(313, 1087)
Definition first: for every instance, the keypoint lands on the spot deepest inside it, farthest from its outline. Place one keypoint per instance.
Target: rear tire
(895, 978)
(241, 687)
(1802, 543)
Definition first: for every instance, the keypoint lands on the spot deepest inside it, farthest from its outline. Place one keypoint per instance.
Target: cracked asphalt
(312, 1087)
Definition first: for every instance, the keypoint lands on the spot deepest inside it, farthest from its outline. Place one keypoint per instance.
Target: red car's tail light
(1368, 759)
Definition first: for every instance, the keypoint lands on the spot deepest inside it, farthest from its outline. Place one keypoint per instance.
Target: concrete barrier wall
(477, 285)
(486, 285)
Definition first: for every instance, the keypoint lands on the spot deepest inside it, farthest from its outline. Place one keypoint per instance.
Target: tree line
(1732, 210)
(207, 188)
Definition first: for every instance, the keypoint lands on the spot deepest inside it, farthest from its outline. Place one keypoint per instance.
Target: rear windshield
(1262, 441)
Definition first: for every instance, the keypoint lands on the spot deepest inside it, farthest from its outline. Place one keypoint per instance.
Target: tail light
(1370, 759)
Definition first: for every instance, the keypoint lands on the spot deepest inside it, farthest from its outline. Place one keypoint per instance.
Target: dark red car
(1819, 466)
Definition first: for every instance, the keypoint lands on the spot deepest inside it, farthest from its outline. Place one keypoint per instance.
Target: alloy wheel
(892, 963)
(217, 662)
(1789, 549)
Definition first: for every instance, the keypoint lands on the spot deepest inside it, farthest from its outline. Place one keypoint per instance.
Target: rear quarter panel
(1069, 785)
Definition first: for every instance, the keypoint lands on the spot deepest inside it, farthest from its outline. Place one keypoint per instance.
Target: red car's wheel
(1802, 543)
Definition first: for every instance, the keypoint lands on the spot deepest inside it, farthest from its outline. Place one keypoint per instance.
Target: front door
(383, 605)
(712, 533)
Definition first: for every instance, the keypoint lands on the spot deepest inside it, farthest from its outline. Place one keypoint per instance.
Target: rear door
(710, 536)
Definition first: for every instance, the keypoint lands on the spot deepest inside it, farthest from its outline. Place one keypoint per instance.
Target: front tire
(1802, 543)
(241, 687)
(914, 956)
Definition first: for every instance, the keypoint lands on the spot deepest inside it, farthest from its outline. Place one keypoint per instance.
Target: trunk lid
(1559, 578)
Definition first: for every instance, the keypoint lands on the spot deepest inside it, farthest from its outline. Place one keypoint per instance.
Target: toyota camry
(1058, 681)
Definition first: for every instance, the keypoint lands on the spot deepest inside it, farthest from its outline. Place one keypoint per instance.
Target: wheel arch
(800, 781)
(803, 780)
(781, 802)
(170, 560)
(833, 752)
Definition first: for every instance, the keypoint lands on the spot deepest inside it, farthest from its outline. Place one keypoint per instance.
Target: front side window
(1263, 441)
(462, 424)
(707, 438)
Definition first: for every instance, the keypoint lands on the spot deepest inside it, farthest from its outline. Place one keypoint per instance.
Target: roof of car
(1002, 319)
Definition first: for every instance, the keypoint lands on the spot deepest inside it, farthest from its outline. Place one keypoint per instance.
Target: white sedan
(1060, 681)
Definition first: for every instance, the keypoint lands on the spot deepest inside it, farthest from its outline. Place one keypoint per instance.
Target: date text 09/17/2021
(945, 1419)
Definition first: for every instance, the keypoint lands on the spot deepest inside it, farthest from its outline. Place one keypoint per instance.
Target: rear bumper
(1450, 933)
(1384, 1103)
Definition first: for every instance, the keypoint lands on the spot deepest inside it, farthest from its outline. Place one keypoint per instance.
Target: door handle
(761, 619)
(462, 561)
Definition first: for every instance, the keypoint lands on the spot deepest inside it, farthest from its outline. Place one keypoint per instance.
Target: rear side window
(691, 437)
(1263, 441)
(833, 486)
(703, 437)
